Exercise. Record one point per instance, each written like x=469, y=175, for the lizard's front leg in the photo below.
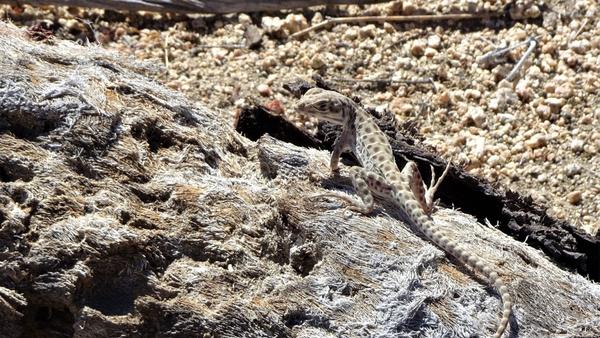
x=343, y=143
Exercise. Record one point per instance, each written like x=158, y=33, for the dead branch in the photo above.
x=395, y=18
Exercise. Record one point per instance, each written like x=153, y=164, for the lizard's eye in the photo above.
x=322, y=105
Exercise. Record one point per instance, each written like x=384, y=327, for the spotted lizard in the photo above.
x=380, y=176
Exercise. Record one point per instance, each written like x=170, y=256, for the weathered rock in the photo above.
x=126, y=210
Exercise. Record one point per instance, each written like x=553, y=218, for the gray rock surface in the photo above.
x=126, y=210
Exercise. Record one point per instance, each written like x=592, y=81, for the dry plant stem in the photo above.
x=489, y=57
x=513, y=73
x=388, y=81
x=396, y=18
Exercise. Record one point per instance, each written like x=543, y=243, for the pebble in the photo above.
x=244, y=19
x=430, y=52
x=264, y=90
x=543, y=111
x=350, y=34
x=574, y=197
x=564, y=91
x=573, y=169
x=506, y=118
x=580, y=46
x=368, y=31
x=536, y=141
x=294, y=23
x=317, y=18
x=577, y=145
x=417, y=48
x=317, y=61
x=434, y=41
x=555, y=103
x=477, y=116
x=272, y=25
x=523, y=90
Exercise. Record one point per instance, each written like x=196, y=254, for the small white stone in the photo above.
x=244, y=19
x=434, y=41
x=472, y=94
x=477, y=115
x=317, y=18
x=264, y=89
x=536, y=141
x=555, y=103
x=580, y=46
x=506, y=118
x=430, y=52
x=494, y=160
x=376, y=58
x=573, y=169
x=271, y=24
x=523, y=90
x=577, y=145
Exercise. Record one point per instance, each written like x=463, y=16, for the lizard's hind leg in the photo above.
x=425, y=196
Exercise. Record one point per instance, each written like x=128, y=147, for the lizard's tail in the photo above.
x=451, y=247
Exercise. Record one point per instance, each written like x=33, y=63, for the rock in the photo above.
x=417, y=48
x=543, y=111
x=317, y=61
x=577, y=145
x=574, y=197
x=538, y=140
x=564, y=91
x=580, y=46
x=264, y=89
x=430, y=52
x=389, y=28
x=506, y=118
x=350, y=34
x=472, y=94
x=555, y=104
x=477, y=116
x=434, y=41
x=244, y=19
x=573, y=169
x=368, y=31
x=523, y=90
x=294, y=23
x=317, y=18
x=272, y=25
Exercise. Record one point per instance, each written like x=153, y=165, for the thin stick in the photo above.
x=395, y=18
x=388, y=81
x=585, y=21
x=513, y=73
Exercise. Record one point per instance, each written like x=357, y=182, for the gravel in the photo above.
x=538, y=135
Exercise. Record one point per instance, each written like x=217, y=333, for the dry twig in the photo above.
x=395, y=18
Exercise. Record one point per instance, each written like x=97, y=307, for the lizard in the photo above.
x=379, y=176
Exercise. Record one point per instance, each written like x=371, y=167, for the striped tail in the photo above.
x=438, y=237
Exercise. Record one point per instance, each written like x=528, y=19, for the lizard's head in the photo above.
x=325, y=105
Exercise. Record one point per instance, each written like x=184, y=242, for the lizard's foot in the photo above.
x=433, y=186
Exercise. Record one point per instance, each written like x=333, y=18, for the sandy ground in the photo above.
x=538, y=134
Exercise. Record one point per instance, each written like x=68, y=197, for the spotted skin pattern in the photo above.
x=380, y=176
